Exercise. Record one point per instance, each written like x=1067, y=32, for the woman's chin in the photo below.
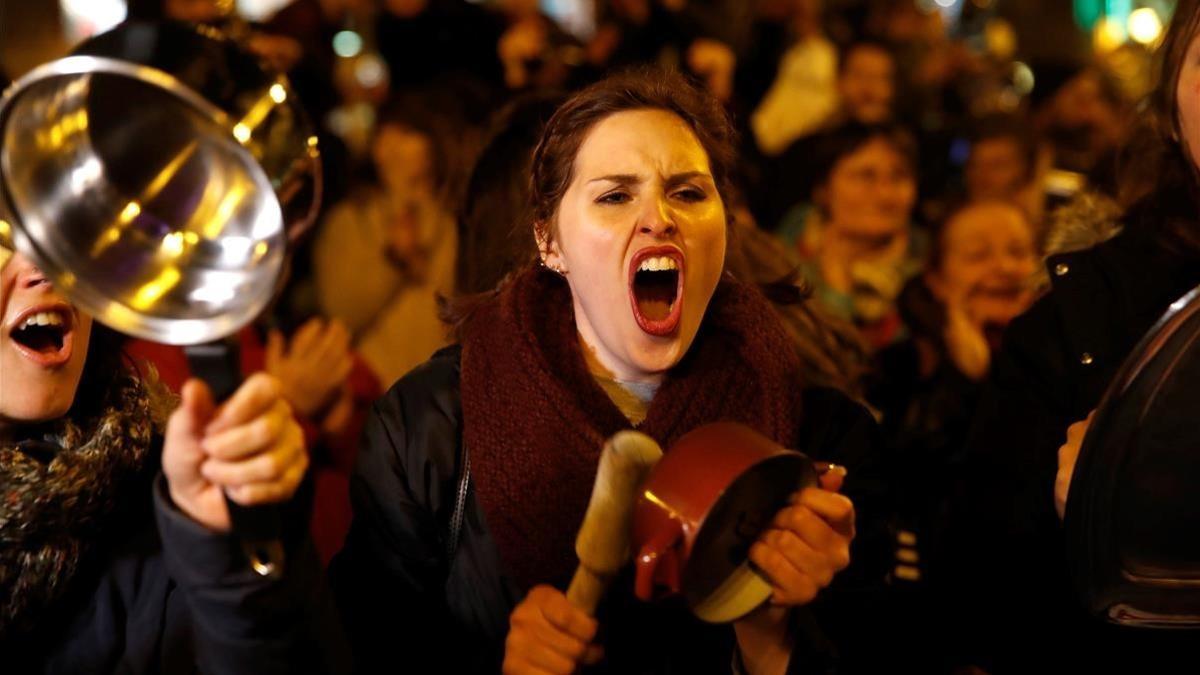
x=45, y=399
x=656, y=354
x=34, y=411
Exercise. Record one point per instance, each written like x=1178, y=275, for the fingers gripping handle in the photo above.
x=259, y=528
x=603, y=542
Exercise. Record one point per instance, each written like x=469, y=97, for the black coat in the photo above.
x=1020, y=613
x=413, y=607
x=164, y=594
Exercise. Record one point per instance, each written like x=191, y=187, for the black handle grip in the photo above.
x=259, y=528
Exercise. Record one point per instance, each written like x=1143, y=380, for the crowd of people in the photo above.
x=857, y=206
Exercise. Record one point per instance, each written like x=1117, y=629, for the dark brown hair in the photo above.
x=494, y=237
x=1158, y=177
x=645, y=88
x=836, y=144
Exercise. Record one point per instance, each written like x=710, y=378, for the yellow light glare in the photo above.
x=242, y=133
x=172, y=244
x=260, y=250
x=1109, y=35
x=152, y=290
x=278, y=93
x=132, y=210
x=1144, y=26
x=191, y=238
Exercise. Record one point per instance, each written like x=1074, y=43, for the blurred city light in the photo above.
x=1145, y=26
x=257, y=10
x=347, y=44
x=370, y=71
x=1109, y=34
x=1023, y=80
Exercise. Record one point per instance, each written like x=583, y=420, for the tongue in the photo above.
x=655, y=294
x=653, y=308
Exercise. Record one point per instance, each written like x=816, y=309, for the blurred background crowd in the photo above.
x=912, y=162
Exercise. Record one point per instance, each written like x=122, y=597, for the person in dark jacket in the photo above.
x=1058, y=359
x=980, y=276
x=115, y=557
x=477, y=466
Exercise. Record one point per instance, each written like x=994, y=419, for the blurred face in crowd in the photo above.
x=870, y=193
x=988, y=257
x=996, y=169
x=404, y=159
x=1081, y=104
x=867, y=84
x=194, y=11
x=43, y=346
x=640, y=234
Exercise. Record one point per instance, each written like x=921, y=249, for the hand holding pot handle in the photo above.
x=808, y=542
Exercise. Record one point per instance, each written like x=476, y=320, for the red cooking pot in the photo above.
x=710, y=497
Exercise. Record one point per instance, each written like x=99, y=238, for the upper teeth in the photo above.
x=42, y=319
x=659, y=264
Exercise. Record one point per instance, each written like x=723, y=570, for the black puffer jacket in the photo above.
x=163, y=594
x=1019, y=613
x=411, y=606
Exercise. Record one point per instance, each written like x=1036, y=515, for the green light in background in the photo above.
x=1118, y=10
x=1088, y=12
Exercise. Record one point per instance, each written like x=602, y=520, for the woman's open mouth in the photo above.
x=43, y=334
x=656, y=289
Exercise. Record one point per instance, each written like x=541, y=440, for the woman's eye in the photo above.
x=613, y=198
x=691, y=195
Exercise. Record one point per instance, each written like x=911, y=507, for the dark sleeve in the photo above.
x=390, y=577
x=838, y=430
x=1005, y=545
x=242, y=622
x=841, y=431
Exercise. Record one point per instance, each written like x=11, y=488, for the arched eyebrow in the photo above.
x=625, y=179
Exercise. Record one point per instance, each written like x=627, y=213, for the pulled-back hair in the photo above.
x=645, y=88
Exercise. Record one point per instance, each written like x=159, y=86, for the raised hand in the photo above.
x=250, y=448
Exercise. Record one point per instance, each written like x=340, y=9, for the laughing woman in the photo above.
x=629, y=320
x=112, y=559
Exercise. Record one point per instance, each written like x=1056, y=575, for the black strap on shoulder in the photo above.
x=460, y=503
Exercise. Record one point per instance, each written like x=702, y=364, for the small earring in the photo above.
x=559, y=270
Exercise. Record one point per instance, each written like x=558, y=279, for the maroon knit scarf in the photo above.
x=535, y=419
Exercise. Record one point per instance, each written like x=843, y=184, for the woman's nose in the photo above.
x=28, y=274
x=657, y=220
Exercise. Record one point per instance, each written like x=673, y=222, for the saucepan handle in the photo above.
x=259, y=528
x=658, y=561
